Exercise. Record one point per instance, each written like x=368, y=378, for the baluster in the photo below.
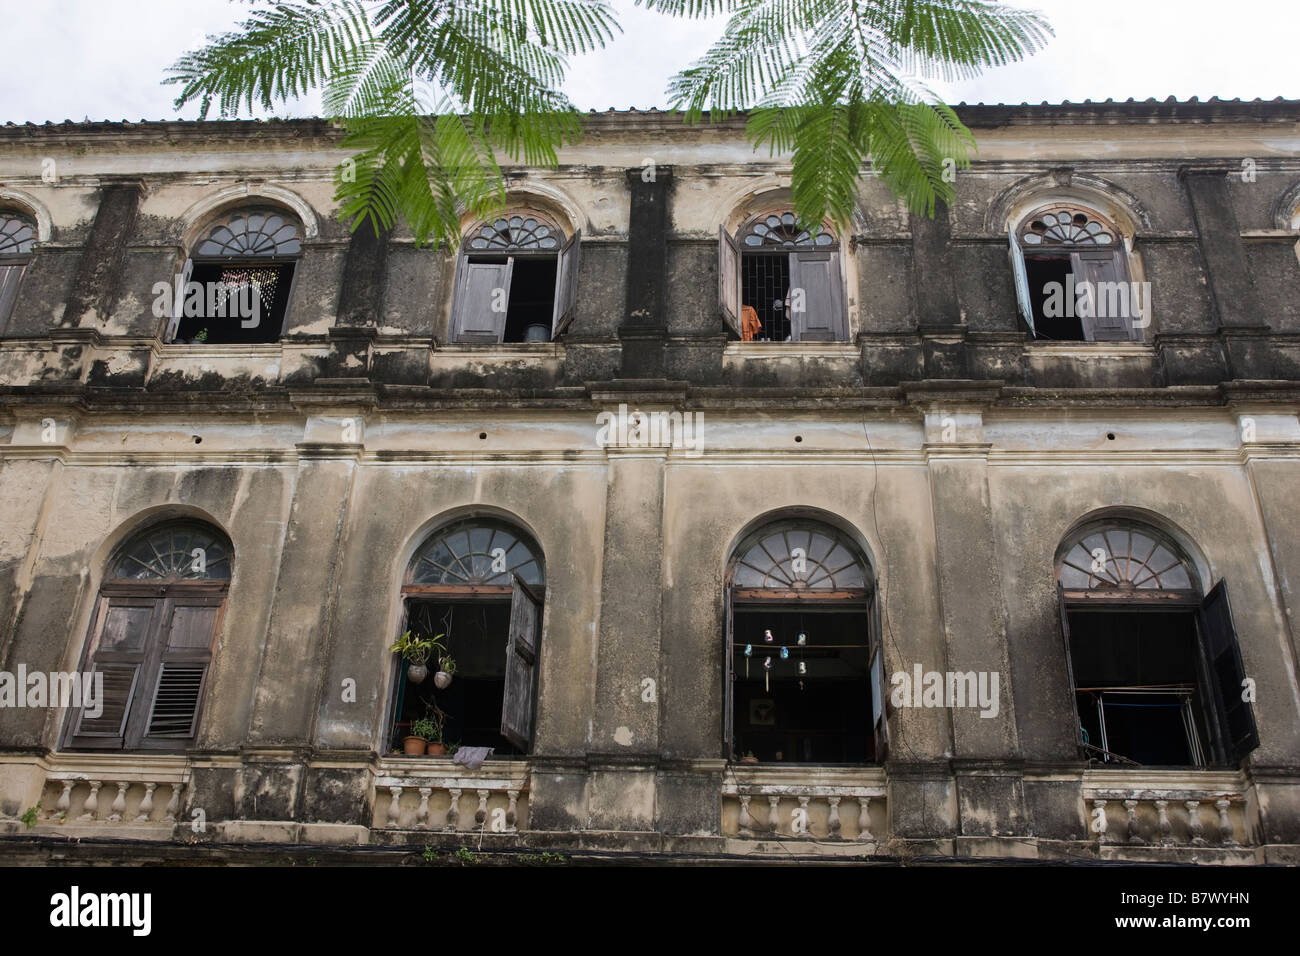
x=1162, y=822
x=91, y=806
x=864, y=818
x=1194, y=828
x=174, y=804
x=745, y=821
x=512, y=812
x=1099, y=821
x=833, y=820
x=773, y=811
x=119, y=802
x=480, y=814
x=394, y=806
x=422, y=814
x=1131, y=824
x=1225, y=825
x=64, y=803
x=146, y=805
x=453, y=810
x=805, y=827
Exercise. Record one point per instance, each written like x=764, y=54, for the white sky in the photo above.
x=104, y=59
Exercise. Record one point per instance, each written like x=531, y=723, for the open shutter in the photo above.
x=815, y=285
x=1077, y=724
x=566, y=285
x=728, y=677
x=191, y=625
x=879, y=713
x=521, y=667
x=1021, y=276
x=729, y=281
x=118, y=647
x=1103, y=305
x=479, y=287
x=1227, y=675
x=10, y=276
x=178, y=302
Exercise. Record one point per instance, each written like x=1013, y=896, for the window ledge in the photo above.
x=1091, y=349
x=783, y=349
x=799, y=779
x=503, y=349
x=1156, y=780
x=224, y=350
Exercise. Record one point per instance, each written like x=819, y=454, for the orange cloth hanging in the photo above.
x=749, y=324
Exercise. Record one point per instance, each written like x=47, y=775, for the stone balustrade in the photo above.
x=434, y=794
x=806, y=803
x=1145, y=809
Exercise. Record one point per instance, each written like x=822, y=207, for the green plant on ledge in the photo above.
x=29, y=817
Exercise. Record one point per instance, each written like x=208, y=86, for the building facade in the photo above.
x=965, y=536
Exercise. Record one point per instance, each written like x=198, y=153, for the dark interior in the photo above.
x=764, y=284
x=1041, y=270
x=823, y=716
x=532, y=299
x=275, y=280
x=1137, y=671
x=475, y=634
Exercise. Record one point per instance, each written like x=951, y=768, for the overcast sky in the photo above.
x=104, y=59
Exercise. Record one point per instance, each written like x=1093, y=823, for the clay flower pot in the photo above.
x=413, y=746
x=441, y=680
x=749, y=760
x=437, y=748
x=416, y=673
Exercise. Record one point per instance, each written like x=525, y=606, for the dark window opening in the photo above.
x=475, y=634
x=532, y=300
x=823, y=715
x=765, y=283
x=228, y=311
x=1041, y=272
x=1137, y=681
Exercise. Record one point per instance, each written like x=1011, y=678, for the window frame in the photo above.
x=11, y=282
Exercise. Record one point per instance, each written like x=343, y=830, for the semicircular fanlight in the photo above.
x=1121, y=557
x=798, y=556
x=519, y=232
x=476, y=551
x=782, y=231
x=176, y=551
x=252, y=234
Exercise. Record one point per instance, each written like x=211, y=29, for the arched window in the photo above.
x=1156, y=670
x=1072, y=277
x=516, y=282
x=17, y=236
x=238, y=279
x=479, y=583
x=779, y=282
x=150, y=644
x=804, y=671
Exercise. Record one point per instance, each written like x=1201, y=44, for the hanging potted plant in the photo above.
x=416, y=651
x=446, y=667
x=422, y=731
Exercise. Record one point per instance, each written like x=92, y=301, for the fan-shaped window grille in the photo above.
x=798, y=556
x=517, y=233
x=252, y=233
x=178, y=551
x=1125, y=558
x=17, y=234
x=781, y=231
x=473, y=552
x=1067, y=226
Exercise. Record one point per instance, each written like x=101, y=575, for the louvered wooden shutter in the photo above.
x=479, y=287
x=729, y=281
x=817, y=275
x=1111, y=315
x=518, y=705
x=119, y=647
x=1227, y=675
x=186, y=651
x=1076, y=728
x=728, y=676
x=879, y=713
x=1020, y=276
x=566, y=285
x=178, y=303
x=10, y=277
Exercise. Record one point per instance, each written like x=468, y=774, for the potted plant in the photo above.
x=436, y=718
x=422, y=731
x=416, y=651
x=446, y=667
x=749, y=757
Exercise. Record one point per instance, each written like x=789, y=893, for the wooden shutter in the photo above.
x=1103, y=321
x=728, y=676
x=1021, y=276
x=472, y=318
x=1076, y=726
x=521, y=667
x=879, y=713
x=817, y=273
x=729, y=281
x=185, y=653
x=10, y=276
x=119, y=645
x=178, y=303
x=1227, y=675
x=566, y=285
